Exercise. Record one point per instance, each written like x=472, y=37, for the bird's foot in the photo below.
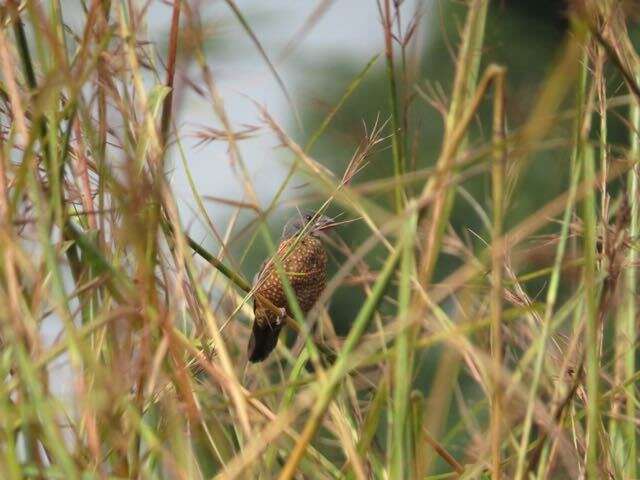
x=282, y=314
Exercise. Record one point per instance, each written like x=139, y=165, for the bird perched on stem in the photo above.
x=304, y=260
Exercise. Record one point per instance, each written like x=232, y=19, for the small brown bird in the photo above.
x=306, y=267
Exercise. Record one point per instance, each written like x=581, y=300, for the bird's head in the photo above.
x=298, y=222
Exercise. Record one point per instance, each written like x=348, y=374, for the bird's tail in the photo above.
x=264, y=339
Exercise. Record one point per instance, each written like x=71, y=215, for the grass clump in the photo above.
x=491, y=341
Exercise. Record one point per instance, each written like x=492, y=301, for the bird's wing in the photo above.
x=268, y=264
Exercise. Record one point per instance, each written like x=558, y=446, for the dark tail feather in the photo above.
x=263, y=340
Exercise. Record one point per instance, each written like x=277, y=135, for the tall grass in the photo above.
x=512, y=355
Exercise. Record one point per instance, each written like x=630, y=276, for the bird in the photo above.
x=303, y=258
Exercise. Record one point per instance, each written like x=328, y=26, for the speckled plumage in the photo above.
x=306, y=268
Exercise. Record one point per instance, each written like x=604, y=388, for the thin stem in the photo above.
x=630, y=311
x=403, y=362
x=497, y=269
x=591, y=295
x=397, y=142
